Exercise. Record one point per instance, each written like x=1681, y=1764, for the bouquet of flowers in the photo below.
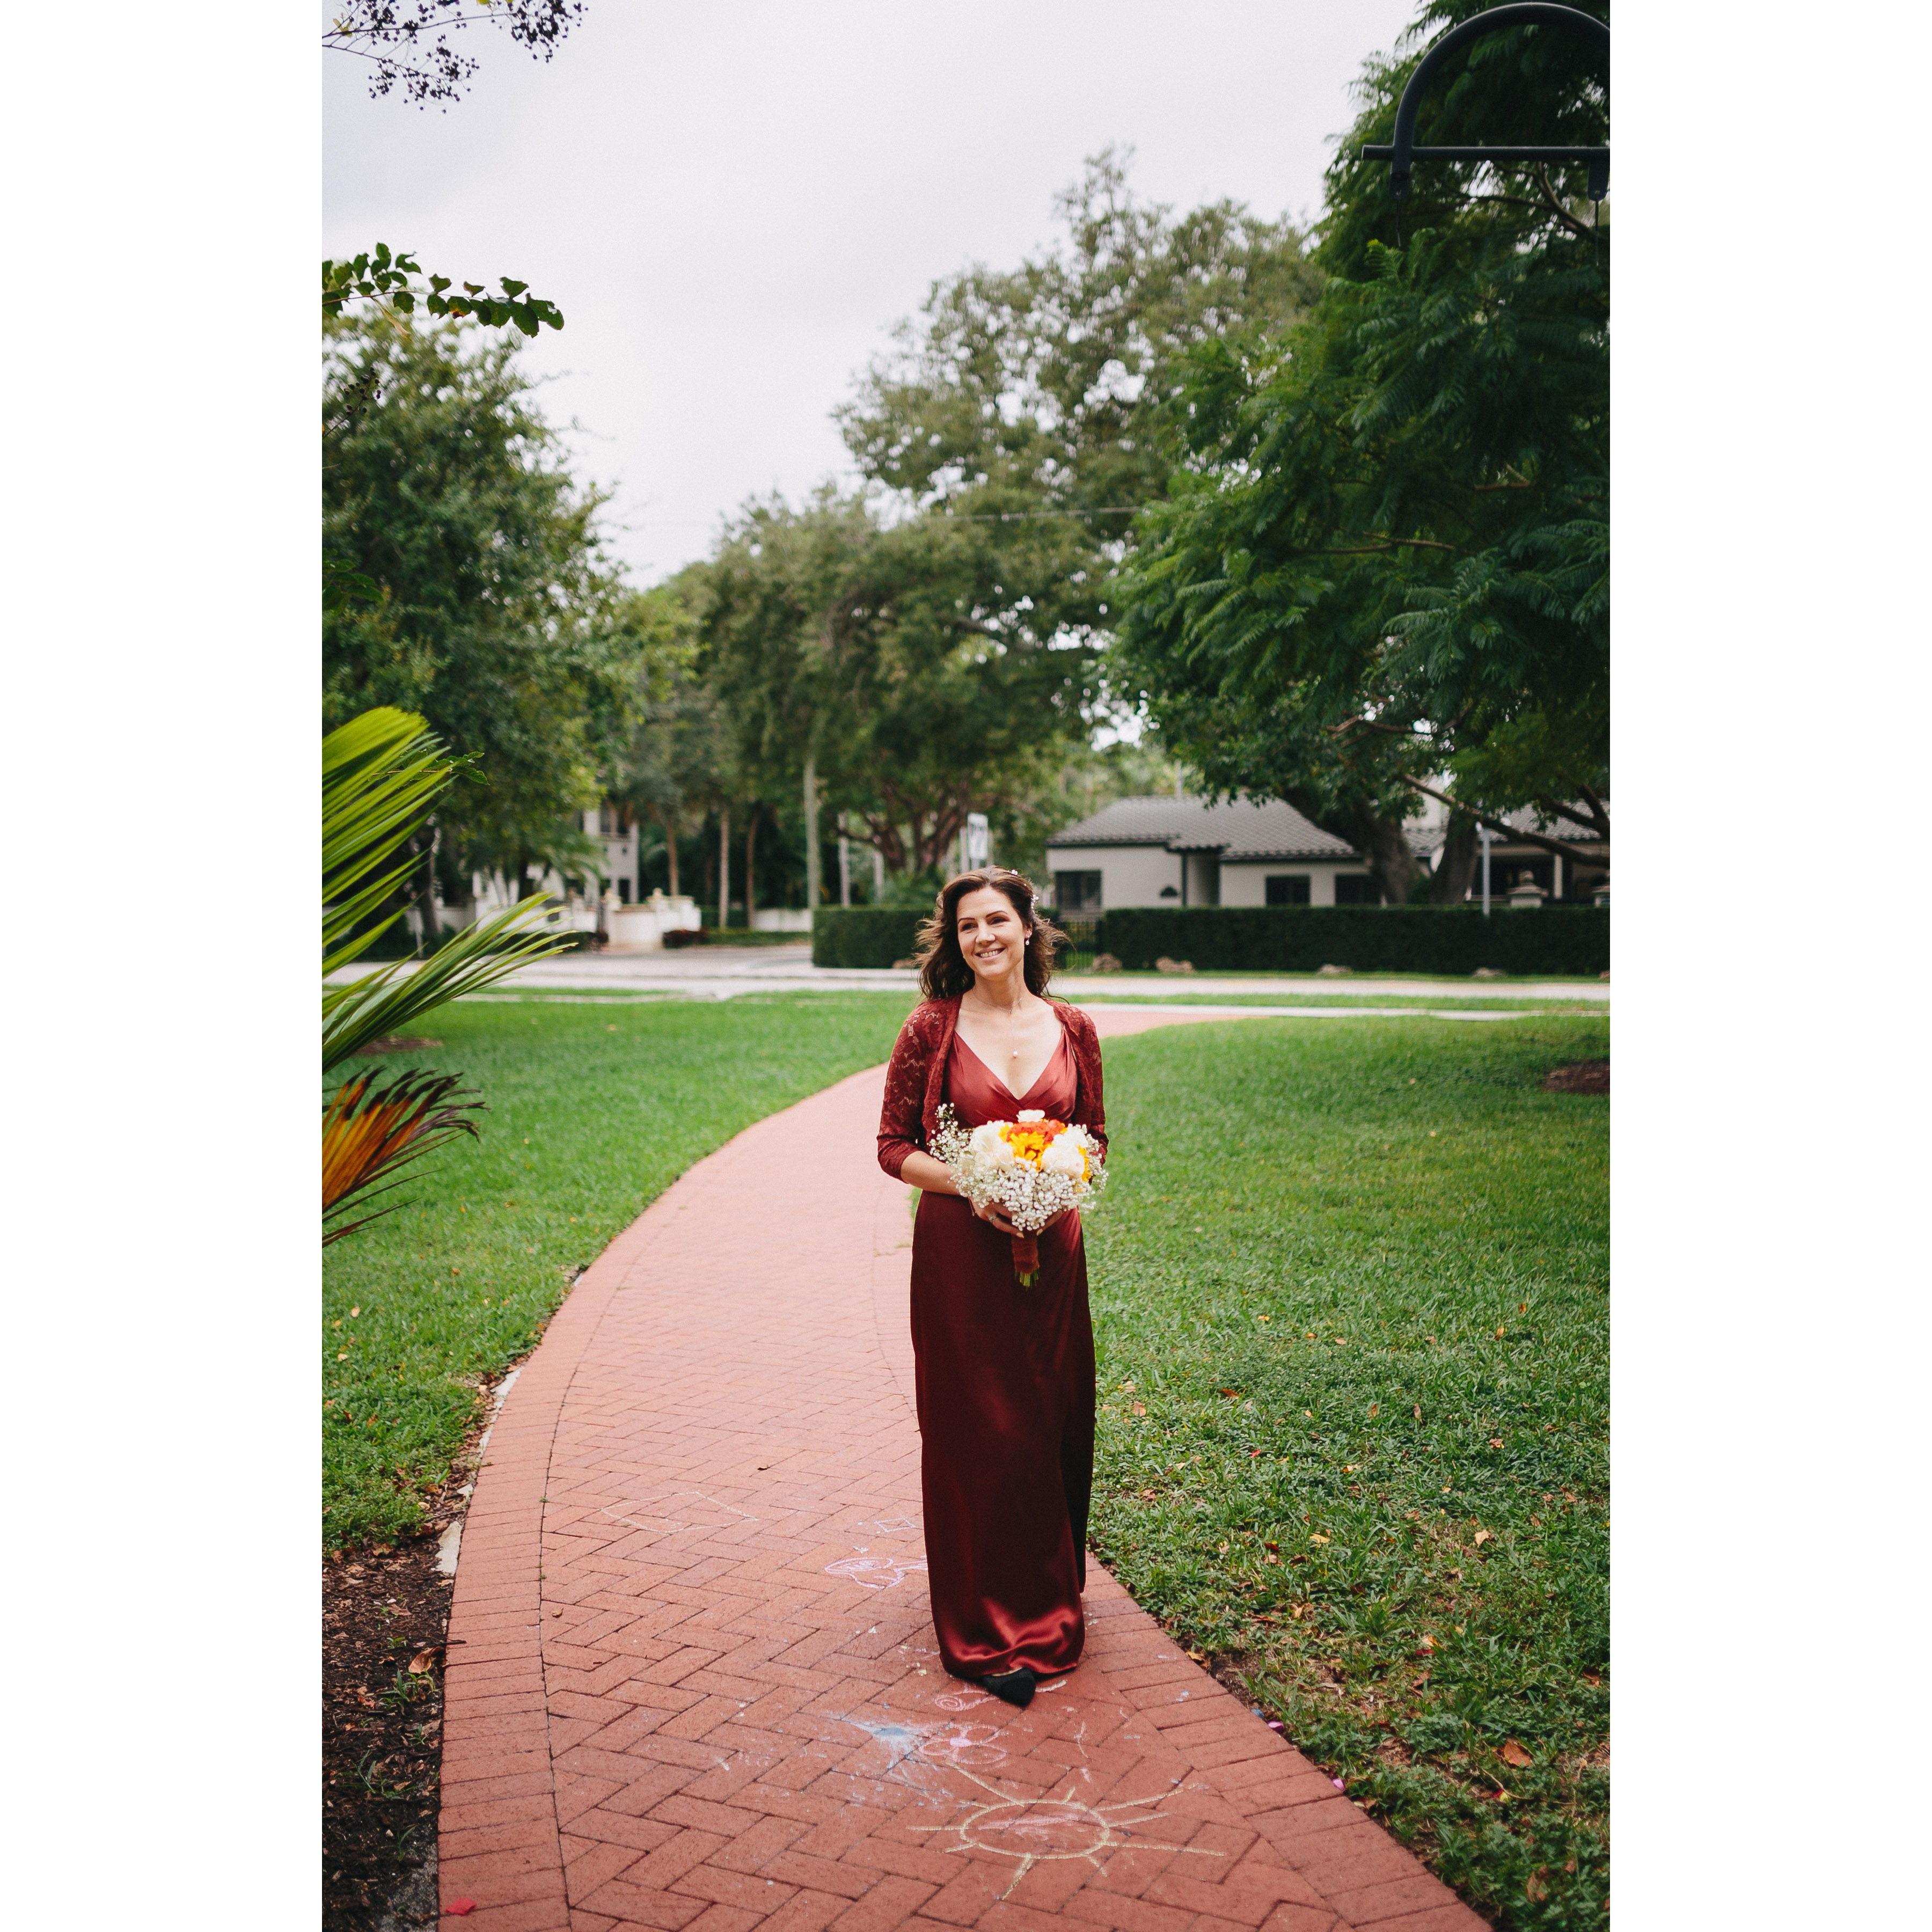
x=1032, y=1168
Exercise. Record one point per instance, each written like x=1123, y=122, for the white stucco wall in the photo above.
x=1130, y=875
x=1246, y=885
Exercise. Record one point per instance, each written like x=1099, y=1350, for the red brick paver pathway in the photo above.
x=691, y=1681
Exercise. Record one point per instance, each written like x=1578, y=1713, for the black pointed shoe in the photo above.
x=1013, y=1687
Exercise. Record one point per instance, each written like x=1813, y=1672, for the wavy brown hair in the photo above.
x=943, y=974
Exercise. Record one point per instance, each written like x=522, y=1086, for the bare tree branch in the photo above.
x=1556, y=208
x=1516, y=835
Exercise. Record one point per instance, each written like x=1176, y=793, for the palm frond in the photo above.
x=382, y=776
x=357, y=1012
x=373, y=1126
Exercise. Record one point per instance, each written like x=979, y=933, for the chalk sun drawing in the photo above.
x=1032, y=1830
x=1027, y=1829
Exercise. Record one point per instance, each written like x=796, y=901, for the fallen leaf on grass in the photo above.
x=1318, y=1538
x=1140, y=1408
x=1418, y=1411
x=1495, y=1441
x=1536, y=1889
x=1483, y=1536
x=1374, y=1409
x=1233, y=1392
x=1516, y=1755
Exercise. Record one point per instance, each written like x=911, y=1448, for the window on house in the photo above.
x=1357, y=889
x=1287, y=888
x=1076, y=892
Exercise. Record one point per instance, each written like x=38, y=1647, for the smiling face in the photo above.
x=992, y=936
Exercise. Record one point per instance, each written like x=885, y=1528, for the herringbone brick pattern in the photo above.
x=691, y=1680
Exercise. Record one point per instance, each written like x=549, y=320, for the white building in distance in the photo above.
x=1168, y=851
x=1165, y=850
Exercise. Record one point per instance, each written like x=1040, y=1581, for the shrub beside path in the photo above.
x=691, y=1678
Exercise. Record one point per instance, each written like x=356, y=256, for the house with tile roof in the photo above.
x=1183, y=850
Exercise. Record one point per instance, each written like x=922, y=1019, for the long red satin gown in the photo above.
x=1005, y=1387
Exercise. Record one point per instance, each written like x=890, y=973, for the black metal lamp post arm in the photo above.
x=1400, y=152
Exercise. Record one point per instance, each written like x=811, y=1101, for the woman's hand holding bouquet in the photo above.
x=1031, y=1169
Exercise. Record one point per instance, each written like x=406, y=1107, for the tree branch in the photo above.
x=1556, y=208
x=1515, y=834
x=1385, y=545
x=1596, y=820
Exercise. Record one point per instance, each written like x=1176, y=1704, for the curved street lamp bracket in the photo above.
x=1400, y=152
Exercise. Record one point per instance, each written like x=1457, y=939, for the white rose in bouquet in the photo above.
x=1033, y=1168
x=1065, y=1155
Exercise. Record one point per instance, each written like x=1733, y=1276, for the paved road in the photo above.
x=691, y=1681
x=723, y=972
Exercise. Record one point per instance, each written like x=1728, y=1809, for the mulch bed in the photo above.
x=1580, y=1076
x=398, y=1043
x=381, y=1735
x=384, y=1607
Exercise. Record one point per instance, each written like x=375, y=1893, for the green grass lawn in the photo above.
x=1327, y=982
x=1323, y=993
x=594, y=1109
x=1350, y=1290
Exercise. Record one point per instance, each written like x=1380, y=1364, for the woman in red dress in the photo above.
x=1005, y=1374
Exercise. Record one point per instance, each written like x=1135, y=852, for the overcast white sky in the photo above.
x=732, y=205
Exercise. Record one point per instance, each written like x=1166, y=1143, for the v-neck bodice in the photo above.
x=978, y=1094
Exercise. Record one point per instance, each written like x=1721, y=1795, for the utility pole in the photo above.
x=725, y=867
x=1482, y=831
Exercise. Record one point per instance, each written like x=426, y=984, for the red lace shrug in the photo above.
x=916, y=1079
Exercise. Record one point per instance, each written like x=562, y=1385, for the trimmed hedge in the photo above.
x=863, y=935
x=1369, y=939
x=1281, y=939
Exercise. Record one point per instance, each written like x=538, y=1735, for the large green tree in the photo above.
x=679, y=764
x=1041, y=401
x=487, y=603
x=889, y=671
x=1385, y=557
